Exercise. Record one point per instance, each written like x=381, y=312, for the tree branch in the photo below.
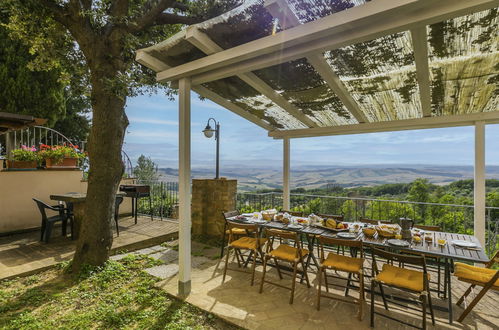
x=60, y=13
x=180, y=6
x=154, y=8
x=119, y=8
x=86, y=4
x=166, y=18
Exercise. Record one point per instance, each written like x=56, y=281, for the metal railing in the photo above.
x=450, y=217
x=38, y=135
x=164, y=199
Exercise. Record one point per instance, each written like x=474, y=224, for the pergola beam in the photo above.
x=391, y=126
x=279, y=9
x=204, y=43
x=420, y=46
x=153, y=63
x=362, y=23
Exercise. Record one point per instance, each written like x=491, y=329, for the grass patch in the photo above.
x=118, y=295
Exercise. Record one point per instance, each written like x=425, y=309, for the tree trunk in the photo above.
x=109, y=123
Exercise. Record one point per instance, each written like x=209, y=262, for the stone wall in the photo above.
x=211, y=197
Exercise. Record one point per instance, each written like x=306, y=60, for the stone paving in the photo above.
x=24, y=254
x=237, y=302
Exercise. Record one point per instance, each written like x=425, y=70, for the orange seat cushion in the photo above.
x=237, y=231
x=286, y=252
x=343, y=263
x=477, y=274
x=402, y=278
x=247, y=243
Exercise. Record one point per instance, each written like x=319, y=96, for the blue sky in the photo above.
x=153, y=131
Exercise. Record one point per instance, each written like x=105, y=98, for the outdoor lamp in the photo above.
x=208, y=132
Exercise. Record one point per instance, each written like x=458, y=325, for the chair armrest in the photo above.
x=57, y=207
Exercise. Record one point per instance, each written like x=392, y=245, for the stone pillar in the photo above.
x=211, y=197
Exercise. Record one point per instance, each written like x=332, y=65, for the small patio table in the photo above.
x=448, y=253
x=78, y=201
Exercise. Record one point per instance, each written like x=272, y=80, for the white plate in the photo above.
x=465, y=244
x=398, y=242
x=291, y=226
x=346, y=235
x=258, y=221
x=249, y=215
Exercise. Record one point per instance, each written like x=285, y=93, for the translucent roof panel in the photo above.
x=238, y=92
x=264, y=107
x=464, y=63
x=381, y=76
x=299, y=83
x=310, y=10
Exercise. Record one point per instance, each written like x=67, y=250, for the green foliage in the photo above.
x=25, y=154
x=145, y=170
x=419, y=191
x=40, y=89
x=58, y=153
x=38, y=93
x=116, y=295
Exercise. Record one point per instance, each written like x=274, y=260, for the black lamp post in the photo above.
x=208, y=132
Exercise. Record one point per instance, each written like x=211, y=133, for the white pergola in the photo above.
x=239, y=61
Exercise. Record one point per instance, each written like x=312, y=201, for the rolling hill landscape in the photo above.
x=310, y=177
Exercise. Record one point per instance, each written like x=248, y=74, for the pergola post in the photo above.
x=479, y=188
x=285, y=165
x=184, y=187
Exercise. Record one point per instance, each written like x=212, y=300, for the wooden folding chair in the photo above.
x=374, y=222
x=487, y=278
x=428, y=228
x=338, y=262
x=408, y=280
x=235, y=231
x=337, y=217
x=293, y=213
x=293, y=254
x=245, y=243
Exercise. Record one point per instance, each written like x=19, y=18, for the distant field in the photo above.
x=251, y=179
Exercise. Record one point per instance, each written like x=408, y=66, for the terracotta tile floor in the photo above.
x=24, y=254
x=239, y=303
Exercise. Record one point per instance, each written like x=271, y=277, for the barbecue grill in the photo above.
x=136, y=191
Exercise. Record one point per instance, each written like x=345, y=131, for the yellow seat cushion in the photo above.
x=343, y=263
x=237, y=231
x=402, y=278
x=247, y=243
x=286, y=252
x=477, y=274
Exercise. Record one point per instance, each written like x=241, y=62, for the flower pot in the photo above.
x=63, y=163
x=22, y=165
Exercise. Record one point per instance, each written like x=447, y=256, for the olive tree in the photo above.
x=99, y=37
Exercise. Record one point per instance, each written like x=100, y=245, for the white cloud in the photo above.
x=153, y=121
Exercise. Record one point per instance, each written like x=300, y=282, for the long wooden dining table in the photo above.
x=446, y=254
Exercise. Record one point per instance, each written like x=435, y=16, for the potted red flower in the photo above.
x=61, y=156
x=24, y=158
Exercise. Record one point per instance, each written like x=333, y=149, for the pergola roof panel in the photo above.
x=314, y=64
x=250, y=20
x=464, y=59
x=386, y=97
x=310, y=10
x=243, y=95
x=380, y=75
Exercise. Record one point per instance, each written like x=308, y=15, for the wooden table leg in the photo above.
x=449, y=290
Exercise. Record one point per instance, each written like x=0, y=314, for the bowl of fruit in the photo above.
x=334, y=225
x=369, y=231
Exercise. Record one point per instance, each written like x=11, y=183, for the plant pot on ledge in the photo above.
x=22, y=164
x=61, y=163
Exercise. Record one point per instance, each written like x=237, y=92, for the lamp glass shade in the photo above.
x=208, y=131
